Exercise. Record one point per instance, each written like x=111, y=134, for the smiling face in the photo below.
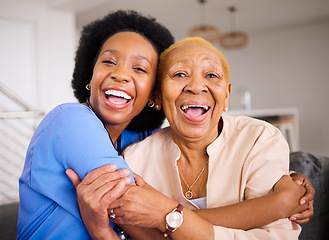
x=123, y=78
x=194, y=91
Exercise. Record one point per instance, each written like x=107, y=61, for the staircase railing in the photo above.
x=16, y=130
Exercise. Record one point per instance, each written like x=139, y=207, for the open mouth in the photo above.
x=117, y=97
x=195, y=110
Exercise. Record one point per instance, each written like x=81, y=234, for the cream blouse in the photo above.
x=245, y=161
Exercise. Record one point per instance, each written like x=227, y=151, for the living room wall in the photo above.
x=55, y=41
x=287, y=67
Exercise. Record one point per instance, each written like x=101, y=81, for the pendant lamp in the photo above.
x=233, y=39
x=206, y=31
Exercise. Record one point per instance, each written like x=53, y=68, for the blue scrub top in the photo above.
x=70, y=136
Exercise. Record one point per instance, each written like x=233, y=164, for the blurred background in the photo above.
x=278, y=51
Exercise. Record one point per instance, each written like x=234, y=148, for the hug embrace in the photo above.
x=226, y=175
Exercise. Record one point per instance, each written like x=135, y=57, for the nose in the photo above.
x=196, y=85
x=120, y=74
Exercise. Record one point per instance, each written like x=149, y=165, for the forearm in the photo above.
x=248, y=214
x=102, y=233
x=187, y=230
x=139, y=233
x=193, y=227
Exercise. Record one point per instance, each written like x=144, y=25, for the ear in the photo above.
x=157, y=103
x=228, y=92
x=157, y=97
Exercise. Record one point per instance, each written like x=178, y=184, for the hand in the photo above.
x=95, y=193
x=290, y=193
x=142, y=206
x=307, y=199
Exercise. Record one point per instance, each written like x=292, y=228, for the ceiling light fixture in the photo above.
x=233, y=39
x=206, y=31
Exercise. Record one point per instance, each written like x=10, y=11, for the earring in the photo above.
x=157, y=106
x=226, y=109
x=88, y=86
x=151, y=104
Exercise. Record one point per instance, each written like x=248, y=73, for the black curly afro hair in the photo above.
x=91, y=41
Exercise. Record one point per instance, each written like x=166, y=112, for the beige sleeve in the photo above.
x=268, y=161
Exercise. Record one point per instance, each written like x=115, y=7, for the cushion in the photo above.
x=316, y=169
x=8, y=220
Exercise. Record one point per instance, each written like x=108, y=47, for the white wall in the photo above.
x=281, y=68
x=55, y=38
x=288, y=68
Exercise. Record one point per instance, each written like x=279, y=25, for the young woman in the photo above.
x=113, y=79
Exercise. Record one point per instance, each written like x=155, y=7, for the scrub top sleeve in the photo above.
x=84, y=144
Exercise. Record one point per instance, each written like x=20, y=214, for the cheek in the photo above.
x=168, y=92
x=98, y=74
x=145, y=87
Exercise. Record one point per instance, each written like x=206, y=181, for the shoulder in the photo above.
x=156, y=140
x=67, y=119
x=69, y=113
x=73, y=109
x=249, y=125
x=153, y=144
x=150, y=157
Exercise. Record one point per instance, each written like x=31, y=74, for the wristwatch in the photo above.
x=174, y=220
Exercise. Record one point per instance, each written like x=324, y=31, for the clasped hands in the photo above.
x=107, y=192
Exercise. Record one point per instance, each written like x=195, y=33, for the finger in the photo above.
x=116, y=192
x=101, y=197
x=309, y=195
x=296, y=175
x=302, y=221
x=298, y=180
x=303, y=215
x=106, y=178
x=123, y=199
x=96, y=173
x=299, y=218
x=308, y=213
x=138, y=179
x=73, y=176
x=108, y=192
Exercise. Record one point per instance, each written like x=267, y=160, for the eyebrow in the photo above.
x=137, y=56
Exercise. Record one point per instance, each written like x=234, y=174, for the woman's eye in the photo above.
x=212, y=75
x=139, y=69
x=179, y=75
x=109, y=62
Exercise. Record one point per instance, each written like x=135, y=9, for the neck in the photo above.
x=114, y=131
x=195, y=147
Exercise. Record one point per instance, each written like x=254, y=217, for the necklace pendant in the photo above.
x=189, y=194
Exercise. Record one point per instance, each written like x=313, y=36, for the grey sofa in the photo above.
x=8, y=221
x=314, y=167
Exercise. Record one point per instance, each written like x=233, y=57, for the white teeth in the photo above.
x=118, y=94
x=184, y=107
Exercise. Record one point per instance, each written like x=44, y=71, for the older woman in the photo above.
x=203, y=160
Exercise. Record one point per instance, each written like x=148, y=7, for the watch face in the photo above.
x=174, y=219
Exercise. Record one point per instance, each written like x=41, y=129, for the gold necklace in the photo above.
x=189, y=193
